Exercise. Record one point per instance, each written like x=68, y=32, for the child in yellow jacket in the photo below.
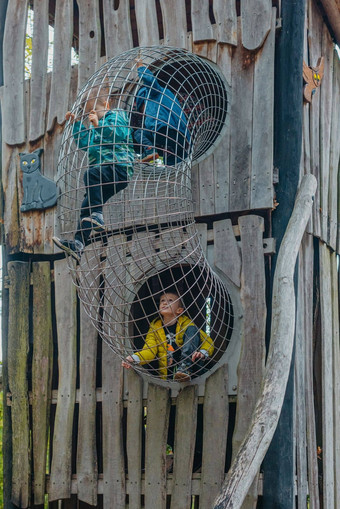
x=173, y=334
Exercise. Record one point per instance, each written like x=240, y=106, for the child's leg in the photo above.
x=191, y=343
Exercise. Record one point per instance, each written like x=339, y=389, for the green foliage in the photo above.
x=28, y=56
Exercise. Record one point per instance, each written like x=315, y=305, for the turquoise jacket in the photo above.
x=110, y=142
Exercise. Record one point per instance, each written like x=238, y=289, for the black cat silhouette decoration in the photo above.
x=39, y=192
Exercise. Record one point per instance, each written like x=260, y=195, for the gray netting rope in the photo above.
x=126, y=212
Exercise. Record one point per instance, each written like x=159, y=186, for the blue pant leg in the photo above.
x=191, y=343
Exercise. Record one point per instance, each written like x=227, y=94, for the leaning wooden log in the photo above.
x=268, y=407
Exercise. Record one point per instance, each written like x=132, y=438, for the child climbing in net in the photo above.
x=173, y=338
x=164, y=131
x=108, y=142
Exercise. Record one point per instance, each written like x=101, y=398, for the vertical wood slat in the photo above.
x=89, y=39
x=251, y=363
x=117, y=27
x=18, y=330
x=207, y=186
x=134, y=438
x=39, y=70
x=308, y=269
x=227, y=256
x=241, y=132
x=112, y=410
x=13, y=103
x=256, y=16
x=325, y=127
x=41, y=373
x=184, y=447
x=157, y=421
x=202, y=29
x=11, y=198
x=327, y=379
x=147, y=24
x=174, y=23
x=261, y=194
x=87, y=463
x=61, y=74
x=66, y=317
x=226, y=20
x=336, y=377
x=334, y=157
x=215, y=428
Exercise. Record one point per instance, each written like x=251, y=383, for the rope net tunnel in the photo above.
x=126, y=214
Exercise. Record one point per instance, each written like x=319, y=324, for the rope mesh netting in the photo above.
x=124, y=173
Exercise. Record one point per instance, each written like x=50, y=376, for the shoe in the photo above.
x=94, y=222
x=150, y=158
x=73, y=248
x=182, y=375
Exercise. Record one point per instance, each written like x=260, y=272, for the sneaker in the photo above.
x=150, y=158
x=182, y=375
x=73, y=248
x=94, y=222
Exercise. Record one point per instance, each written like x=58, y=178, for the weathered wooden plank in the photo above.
x=18, y=331
x=325, y=127
x=174, y=23
x=158, y=408
x=61, y=74
x=184, y=447
x=147, y=25
x=331, y=8
x=308, y=271
x=13, y=103
x=241, y=133
x=256, y=19
x=202, y=29
x=113, y=453
x=66, y=317
x=87, y=463
x=134, y=438
x=215, y=428
x=262, y=190
x=207, y=186
x=89, y=39
x=334, y=157
x=226, y=251
x=195, y=189
x=10, y=161
x=300, y=389
x=39, y=70
x=41, y=373
x=251, y=364
x=336, y=377
x=226, y=20
x=117, y=27
x=327, y=378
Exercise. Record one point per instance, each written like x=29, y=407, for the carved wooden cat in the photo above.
x=39, y=192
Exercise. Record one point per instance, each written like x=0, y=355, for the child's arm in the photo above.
x=206, y=348
x=148, y=78
x=146, y=355
x=115, y=128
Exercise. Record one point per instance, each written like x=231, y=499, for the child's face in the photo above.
x=170, y=306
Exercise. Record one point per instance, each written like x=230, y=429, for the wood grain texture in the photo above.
x=61, y=73
x=147, y=24
x=331, y=8
x=262, y=190
x=227, y=256
x=39, y=71
x=256, y=16
x=10, y=162
x=134, y=438
x=66, y=317
x=158, y=408
x=215, y=428
x=336, y=377
x=327, y=376
x=202, y=29
x=18, y=331
x=184, y=447
x=89, y=39
x=174, y=23
x=13, y=103
x=334, y=157
x=226, y=21
x=41, y=373
x=117, y=27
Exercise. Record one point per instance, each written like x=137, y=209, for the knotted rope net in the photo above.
x=124, y=173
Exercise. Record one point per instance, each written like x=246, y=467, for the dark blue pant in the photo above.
x=191, y=343
x=168, y=143
x=101, y=183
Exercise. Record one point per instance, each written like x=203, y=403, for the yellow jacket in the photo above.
x=156, y=344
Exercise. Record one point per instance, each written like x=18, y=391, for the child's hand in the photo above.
x=196, y=356
x=70, y=116
x=93, y=118
x=128, y=362
x=139, y=62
